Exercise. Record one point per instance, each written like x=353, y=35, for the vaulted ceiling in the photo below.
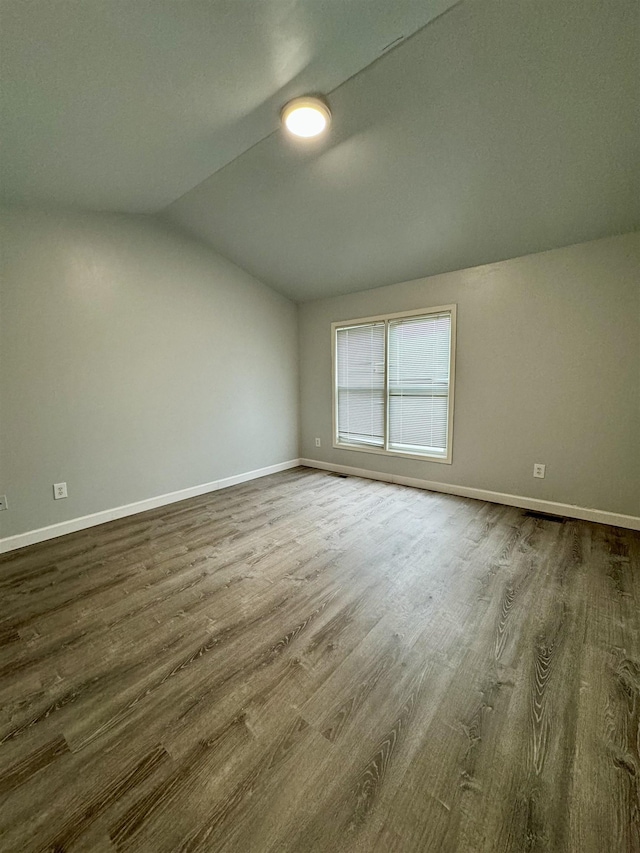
x=463, y=132
x=127, y=104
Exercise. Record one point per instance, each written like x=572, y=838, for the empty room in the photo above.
x=320, y=426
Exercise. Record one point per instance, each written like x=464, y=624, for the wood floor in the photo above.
x=312, y=663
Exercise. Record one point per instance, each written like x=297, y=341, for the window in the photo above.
x=393, y=384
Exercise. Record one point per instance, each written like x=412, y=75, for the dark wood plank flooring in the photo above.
x=311, y=663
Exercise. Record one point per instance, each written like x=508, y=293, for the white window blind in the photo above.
x=393, y=388
x=419, y=383
x=360, y=384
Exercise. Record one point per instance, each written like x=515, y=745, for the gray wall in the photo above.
x=548, y=370
x=134, y=362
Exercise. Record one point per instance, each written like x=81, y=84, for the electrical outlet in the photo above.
x=3, y=502
x=318, y=442
x=538, y=470
x=59, y=491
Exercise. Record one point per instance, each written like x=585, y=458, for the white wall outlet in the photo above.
x=3, y=502
x=59, y=491
x=318, y=442
x=538, y=470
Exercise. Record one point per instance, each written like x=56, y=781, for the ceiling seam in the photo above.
x=386, y=51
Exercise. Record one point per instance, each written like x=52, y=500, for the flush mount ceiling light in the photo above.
x=306, y=116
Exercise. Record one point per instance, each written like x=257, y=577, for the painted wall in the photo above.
x=134, y=362
x=548, y=370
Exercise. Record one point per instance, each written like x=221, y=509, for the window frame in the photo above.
x=385, y=318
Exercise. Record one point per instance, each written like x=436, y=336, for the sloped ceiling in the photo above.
x=126, y=104
x=502, y=128
x=498, y=129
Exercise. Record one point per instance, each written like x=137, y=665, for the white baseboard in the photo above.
x=10, y=543
x=21, y=540
x=570, y=510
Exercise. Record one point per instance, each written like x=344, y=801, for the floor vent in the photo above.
x=542, y=516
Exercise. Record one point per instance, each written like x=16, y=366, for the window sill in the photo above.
x=379, y=451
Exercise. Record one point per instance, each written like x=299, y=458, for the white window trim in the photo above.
x=452, y=376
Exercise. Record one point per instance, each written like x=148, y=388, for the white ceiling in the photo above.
x=127, y=104
x=501, y=128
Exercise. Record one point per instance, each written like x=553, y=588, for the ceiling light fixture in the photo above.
x=306, y=116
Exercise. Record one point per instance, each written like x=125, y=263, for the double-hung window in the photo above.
x=393, y=383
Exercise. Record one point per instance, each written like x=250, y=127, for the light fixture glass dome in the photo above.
x=306, y=117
